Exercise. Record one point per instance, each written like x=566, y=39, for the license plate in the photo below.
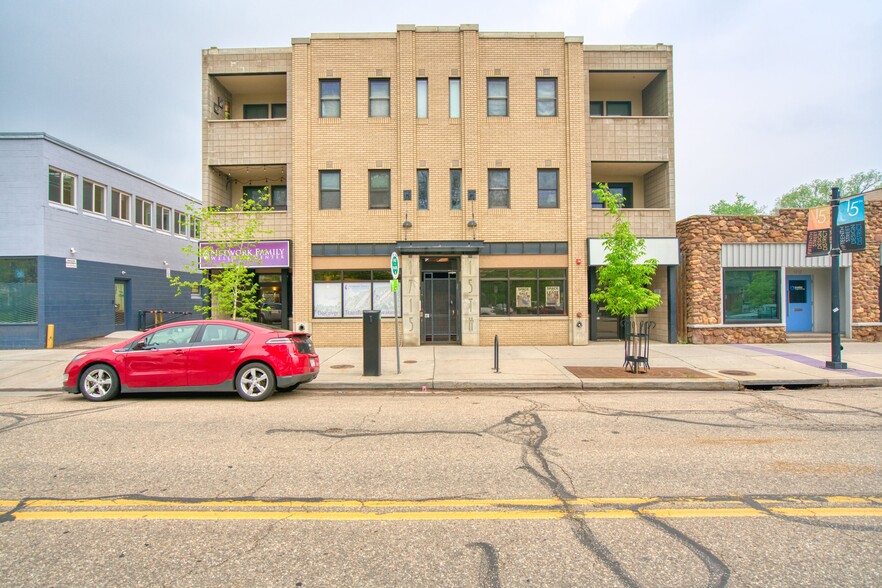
x=311, y=362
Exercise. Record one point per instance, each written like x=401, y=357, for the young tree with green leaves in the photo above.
x=229, y=290
x=817, y=192
x=622, y=282
x=739, y=207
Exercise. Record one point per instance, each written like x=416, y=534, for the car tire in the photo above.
x=99, y=382
x=255, y=381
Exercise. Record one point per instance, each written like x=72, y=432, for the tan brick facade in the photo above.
x=637, y=150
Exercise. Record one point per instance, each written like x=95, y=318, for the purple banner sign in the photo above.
x=260, y=254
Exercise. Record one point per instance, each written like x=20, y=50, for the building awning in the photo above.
x=664, y=249
x=440, y=247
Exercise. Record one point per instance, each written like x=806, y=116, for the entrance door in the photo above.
x=799, y=304
x=440, y=302
x=120, y=288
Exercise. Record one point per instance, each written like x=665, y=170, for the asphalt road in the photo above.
x=773, y=488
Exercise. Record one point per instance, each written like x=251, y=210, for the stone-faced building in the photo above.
x=471, y=154
x=746, y=279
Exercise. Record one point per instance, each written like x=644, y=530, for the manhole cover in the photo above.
x=342, y=366
x=737, y=373
x=409, y=361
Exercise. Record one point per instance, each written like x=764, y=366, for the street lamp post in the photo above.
x=835, y=362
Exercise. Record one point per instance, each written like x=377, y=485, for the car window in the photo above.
x=176, y=336
x=222, y=334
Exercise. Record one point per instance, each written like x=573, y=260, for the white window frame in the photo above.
x=143, y=205
x=125, y=212
x=95, y=185
x=163, y=218
x=182, y=224
x=73, y=192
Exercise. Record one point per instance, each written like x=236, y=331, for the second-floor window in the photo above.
x=329, y=189
x=422, y=98
x=546, y=96
x=380, y=188
x=422, y=189
x=180, y=223
x=143, y=212
x=163, y=218
x=548, y=188
x=497, y=96
x=94, y=196
x=120, y=205
x=379, y=97
x=329, y=98
x=498, y=188
x=456, y=189
x=625, y=191
x=62, y=188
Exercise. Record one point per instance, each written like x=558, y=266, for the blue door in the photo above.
x=799, y=304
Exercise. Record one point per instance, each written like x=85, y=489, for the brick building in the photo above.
x=746, y=279
x=472, y=154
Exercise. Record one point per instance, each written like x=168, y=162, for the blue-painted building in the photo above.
x=86, y=245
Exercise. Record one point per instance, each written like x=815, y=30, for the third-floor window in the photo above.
x=497, y=96
x=379, y=97
x=329, y=97
x=546, y=96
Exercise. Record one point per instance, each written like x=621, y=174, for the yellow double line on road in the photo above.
x=441, y=510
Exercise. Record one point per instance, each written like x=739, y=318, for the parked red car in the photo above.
x=253, y=359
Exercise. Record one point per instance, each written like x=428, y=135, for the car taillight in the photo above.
x=304, y=345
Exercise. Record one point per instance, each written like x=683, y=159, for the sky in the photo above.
x=768, y=95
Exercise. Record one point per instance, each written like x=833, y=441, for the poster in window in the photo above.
x=524, y=297
x=552, y=295
x=327, y=300
x=356, y=298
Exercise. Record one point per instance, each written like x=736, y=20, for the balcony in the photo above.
x=648, y=193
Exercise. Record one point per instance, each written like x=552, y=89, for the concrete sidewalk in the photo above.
x=452, y=367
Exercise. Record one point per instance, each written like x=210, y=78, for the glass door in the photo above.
x=119, y=302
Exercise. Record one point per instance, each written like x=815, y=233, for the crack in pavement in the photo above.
x=27, y=420
x=489, y=565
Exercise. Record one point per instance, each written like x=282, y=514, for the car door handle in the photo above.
x=179, y=352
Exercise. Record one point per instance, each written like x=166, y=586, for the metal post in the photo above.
x=835, y=362
x=496, y=353
x=397, y=348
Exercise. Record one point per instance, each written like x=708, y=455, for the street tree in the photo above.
x=739, y=207
x=817, y=192
x=229, y=289
x=622, y=281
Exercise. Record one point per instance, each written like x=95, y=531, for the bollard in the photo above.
x=496, y=353
x=50, y=336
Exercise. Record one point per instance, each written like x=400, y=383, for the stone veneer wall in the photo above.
x=700, y=287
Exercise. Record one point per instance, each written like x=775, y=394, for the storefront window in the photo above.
x=18, y=290
x=348, y=293
x=751, y=296
x=509, y=292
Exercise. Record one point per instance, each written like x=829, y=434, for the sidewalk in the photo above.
x=597, y=366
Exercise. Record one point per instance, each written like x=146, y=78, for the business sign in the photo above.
x=851, y=225
x=818, y=237
x=264, y=254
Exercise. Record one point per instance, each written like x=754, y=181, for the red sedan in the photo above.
x=253, y=359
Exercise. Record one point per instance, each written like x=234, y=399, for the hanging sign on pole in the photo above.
x=818, y=237
x=851, y=224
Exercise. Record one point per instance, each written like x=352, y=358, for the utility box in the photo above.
x=371, y=342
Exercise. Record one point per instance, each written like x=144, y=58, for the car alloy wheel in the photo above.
x=99, y=383
x=255, y=381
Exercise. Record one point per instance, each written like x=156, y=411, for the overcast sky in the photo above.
x=767, y=94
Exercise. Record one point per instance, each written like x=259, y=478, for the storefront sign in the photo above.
x=264, y=254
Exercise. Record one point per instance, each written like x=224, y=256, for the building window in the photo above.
x=596, y=108
x=498, y=188
x=453, y=92
x=62, y=188
x=18, y=290
x=380, y=188
x=94, y=196
x=347, y=293
x=255, y=111
x=329, y=190
x=546, y=96
x=163, y=218
x=180, y=223
x=751, y=296
x=625, y=190
x=548, y=188
x=622, y=108
x=143, y=212
x=497, y=96
x=422, y=189
x=422, y=97
x=379, y=97
x=194, y=227
x=120, y=205
x=508, y=292
x=329, y=98
x=456, y=189
x=279, y=197
x=279, y=111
